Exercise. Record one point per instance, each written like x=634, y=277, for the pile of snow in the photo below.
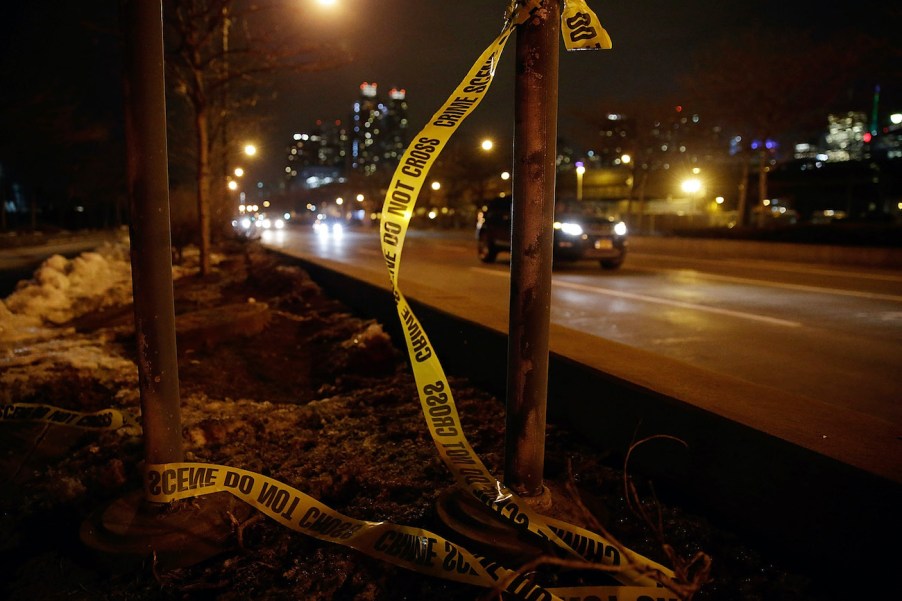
x=63, y=289
x=36, y=346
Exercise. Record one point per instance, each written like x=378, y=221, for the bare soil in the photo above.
x=321, y=400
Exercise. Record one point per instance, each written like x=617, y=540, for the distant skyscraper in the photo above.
x=373, y=141
x=365, y=131
x=395, y=126
x=846, y=136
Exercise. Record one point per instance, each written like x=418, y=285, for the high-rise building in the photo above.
x=366, y=119
x=394, y=126
x=845, y=140
x=318, y=157
x=373, y=141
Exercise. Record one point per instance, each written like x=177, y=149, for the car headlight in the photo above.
x=569, y=228
x=620, y=229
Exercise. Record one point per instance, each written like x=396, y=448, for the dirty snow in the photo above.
x=36, y=343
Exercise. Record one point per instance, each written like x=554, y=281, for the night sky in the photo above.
x=70, y=52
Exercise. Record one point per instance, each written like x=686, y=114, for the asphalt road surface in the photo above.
x=830, y=334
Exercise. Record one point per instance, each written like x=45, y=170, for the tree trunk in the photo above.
x=640, y=196
x=743, y=194
x=203, y=187
x=762, y=183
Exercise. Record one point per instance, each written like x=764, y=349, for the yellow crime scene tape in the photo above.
x=415, y=548
x=581, y=30
x=105, y=419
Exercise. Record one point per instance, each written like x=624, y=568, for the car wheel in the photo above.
x=611, y=263
x=486, y=250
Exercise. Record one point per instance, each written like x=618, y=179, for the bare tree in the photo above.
x=219, y=54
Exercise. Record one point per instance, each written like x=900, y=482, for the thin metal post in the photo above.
x=535, y=139
x=149, y=230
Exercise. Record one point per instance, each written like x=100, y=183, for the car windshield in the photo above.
x=582, y=211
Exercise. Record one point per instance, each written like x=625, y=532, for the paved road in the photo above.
x=831, y=334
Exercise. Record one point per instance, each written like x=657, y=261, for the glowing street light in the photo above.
x=487, y=144
x=233, y=185
x=250, y=150
x=239, y=172
x=626, y=159
x=360, y=198
x=693, y=185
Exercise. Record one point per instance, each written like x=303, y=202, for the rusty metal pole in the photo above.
x=535, y=144
x=151, y=255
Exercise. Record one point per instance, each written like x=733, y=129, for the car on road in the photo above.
x=328, y=225
x=580, y=232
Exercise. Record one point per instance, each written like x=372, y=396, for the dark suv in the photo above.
x=580, y=232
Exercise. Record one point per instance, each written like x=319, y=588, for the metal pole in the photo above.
x=535, y=138
x=151, y=258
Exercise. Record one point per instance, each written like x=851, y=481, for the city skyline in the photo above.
x=424, y=47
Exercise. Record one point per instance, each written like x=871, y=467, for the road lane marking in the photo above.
x=660, y=301
x=764, y=264
x=784, y=285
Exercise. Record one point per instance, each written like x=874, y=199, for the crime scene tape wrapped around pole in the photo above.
x=438, y=406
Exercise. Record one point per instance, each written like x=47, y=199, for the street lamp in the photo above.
x=487, y=144
x=250, y=150
x=692, y=185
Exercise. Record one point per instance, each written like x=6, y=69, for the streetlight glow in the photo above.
x=691, y=185
x=487, y=144
x=250, y=150
x=233, y=185
x=436, y=185
x=239, y=172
